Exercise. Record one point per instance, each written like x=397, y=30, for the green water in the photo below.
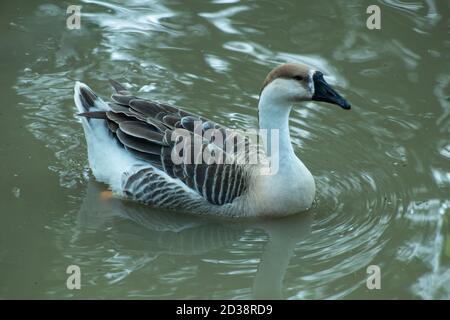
x=382, y=169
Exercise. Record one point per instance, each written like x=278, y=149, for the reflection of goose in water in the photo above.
x=170, y=233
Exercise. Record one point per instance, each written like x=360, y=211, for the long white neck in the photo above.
x=274, y=117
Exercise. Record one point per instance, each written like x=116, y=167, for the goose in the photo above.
x=131, y=144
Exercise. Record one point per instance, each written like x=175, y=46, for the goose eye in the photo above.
x=298, y=78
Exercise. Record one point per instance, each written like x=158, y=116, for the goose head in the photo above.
x=291, y=83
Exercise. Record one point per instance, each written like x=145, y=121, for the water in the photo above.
x=382, y=169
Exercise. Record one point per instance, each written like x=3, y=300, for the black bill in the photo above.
x=324, y=92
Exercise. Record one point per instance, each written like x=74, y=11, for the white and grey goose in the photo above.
x=130, y=142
